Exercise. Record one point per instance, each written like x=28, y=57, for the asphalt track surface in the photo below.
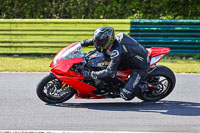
x=20, y=109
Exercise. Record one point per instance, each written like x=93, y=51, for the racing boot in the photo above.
x=131, y=88
x=126, y=94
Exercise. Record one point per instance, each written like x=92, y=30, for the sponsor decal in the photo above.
x=105, y=63
x=114, y=54
x=139, y=58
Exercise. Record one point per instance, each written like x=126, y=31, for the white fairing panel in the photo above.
x=156, y=59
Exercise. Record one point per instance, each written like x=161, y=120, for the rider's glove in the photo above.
x=83, y=44
x=86, y=74
x=93, y=75
x=87, y=42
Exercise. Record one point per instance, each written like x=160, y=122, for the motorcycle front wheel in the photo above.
x=161, y=83
x=52, y=90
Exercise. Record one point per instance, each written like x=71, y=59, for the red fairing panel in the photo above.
x=154, y=51
x=82, y=88
x=123, y=74
x=62, y=71
x=63, y=66
x=156, y=54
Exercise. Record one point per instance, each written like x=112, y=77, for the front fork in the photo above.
x=63, y=83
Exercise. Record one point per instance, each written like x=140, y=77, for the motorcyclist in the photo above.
x=124, y=53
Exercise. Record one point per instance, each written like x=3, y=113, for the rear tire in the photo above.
x=49, y=89
x=168, y=75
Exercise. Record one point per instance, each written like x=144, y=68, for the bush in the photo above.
x=100, y=9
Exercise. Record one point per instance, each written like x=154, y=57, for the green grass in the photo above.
x=41, y=64
x=182, y=66
x=25, y=64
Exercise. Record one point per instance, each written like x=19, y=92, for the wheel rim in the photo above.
x=56, y=90
x=158, y=87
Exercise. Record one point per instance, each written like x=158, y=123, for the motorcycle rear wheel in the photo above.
x=51, y=90
x=163, y=82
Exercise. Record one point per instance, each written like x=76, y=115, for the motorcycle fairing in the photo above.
x=156, y=54
x=82, y=88
x=155, y=51
x=62, y=51
x=63, y=67
x=123, y=74
x=62, y=71
x=156, y=59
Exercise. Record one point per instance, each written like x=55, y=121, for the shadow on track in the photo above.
x=179, y=108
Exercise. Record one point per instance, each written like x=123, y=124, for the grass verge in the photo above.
x=182, y=66
x=41, y=64
x=25, y=64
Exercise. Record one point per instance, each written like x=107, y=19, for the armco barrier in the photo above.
x=26, y=36
x=182, y=36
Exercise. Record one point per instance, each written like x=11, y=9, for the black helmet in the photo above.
x=103, y=38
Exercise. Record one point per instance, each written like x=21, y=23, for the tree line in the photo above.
x=100, y=9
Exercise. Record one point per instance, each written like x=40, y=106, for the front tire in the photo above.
x=163, y=82
x=52, y=90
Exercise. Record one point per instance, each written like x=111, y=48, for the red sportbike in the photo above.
x=65, y=79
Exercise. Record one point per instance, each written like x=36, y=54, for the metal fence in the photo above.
x=46, y=36
x=182, y=36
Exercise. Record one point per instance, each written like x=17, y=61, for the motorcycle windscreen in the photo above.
x=71, y=52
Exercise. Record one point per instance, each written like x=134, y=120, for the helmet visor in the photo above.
x=100, y=44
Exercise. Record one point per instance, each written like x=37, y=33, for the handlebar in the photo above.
x=86, y=58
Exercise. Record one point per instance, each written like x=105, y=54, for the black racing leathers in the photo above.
x=126, y=53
